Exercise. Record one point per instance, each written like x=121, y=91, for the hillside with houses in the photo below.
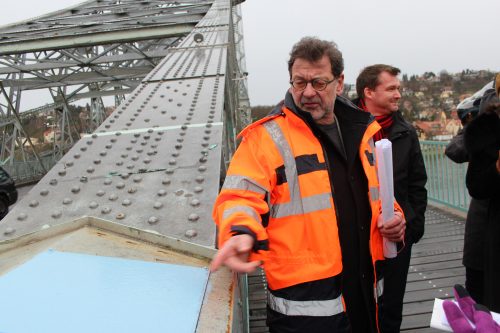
x=428, y=101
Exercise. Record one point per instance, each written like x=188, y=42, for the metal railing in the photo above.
x=29, y=171
x=445, y=178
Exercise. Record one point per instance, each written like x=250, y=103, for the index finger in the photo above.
x=225, y=252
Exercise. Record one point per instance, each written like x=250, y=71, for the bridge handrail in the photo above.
x=445, y=178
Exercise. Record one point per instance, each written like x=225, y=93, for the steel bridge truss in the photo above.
x=89, y=51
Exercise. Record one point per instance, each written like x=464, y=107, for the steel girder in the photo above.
x=91, y=50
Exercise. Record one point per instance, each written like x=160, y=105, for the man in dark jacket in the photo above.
x=378, y=90
x=477, y=215
x=482, y=141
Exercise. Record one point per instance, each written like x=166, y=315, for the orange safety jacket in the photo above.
x=277, y=189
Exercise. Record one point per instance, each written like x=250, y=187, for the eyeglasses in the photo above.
x=317, y=84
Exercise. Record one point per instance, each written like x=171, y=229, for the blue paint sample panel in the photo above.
x=60, y=292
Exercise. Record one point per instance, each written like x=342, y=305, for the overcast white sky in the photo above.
x=414, y=35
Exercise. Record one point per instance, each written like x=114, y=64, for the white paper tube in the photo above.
x=383, y=152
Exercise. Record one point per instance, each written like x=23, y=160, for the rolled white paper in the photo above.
x=383, y=152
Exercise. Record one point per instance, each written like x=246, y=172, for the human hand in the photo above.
x=392, y=229
x=460, y=317
x=234, y=254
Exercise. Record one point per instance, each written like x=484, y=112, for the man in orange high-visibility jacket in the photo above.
x=301, y=198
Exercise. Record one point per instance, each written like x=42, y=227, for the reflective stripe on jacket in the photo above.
x=277, y=189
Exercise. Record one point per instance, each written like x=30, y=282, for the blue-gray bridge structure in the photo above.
x=176, y=70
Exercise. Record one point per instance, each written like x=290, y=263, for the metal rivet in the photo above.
x=75, y=189
x=157, y=205
x=195, y=202
x=200, y=179
x=137, y=179
x=44, y=192
x=135, y=158
x=53, y=182
x=202, y=168
x=112, y=197
x=97, y=162
x=120, y=185
x=132, y=190
x=77, y=156
x=9, y=231
x=93, y=205
x=90, y=170
x=153, y=220
x=56, y=214
x=162, y=193
x=126, y=202
x=179, y=192
x=108, y=181
x=67, y=201
x=130, y=166
x=191, y=233
x=103, y=153
x=198, y=189
x=166, y=181
x=22, y=216
x=172, y=162
x=33, y=203
x=69, y=164
x=105, y=210
x=120, y=216
x=193, y=217
x=100, y=193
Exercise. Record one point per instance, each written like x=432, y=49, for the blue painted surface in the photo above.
x=68, y=292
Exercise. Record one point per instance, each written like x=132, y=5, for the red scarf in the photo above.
x=385, y=121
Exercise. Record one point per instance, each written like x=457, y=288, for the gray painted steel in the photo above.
x=155, y=163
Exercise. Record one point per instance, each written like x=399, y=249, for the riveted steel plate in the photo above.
x=211, y=36
x=60, y=291
x=154, y=164
x=163, y=179
x=191, y=62
x=179, y=102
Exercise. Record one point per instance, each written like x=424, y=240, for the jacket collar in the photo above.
x=346, y=111
x=353, y=122
x=400, y=126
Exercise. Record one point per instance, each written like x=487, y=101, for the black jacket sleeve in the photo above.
x=455, y=150
x=482, y=140
x=417, y=193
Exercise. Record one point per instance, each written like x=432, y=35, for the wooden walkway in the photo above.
x=436, y=266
